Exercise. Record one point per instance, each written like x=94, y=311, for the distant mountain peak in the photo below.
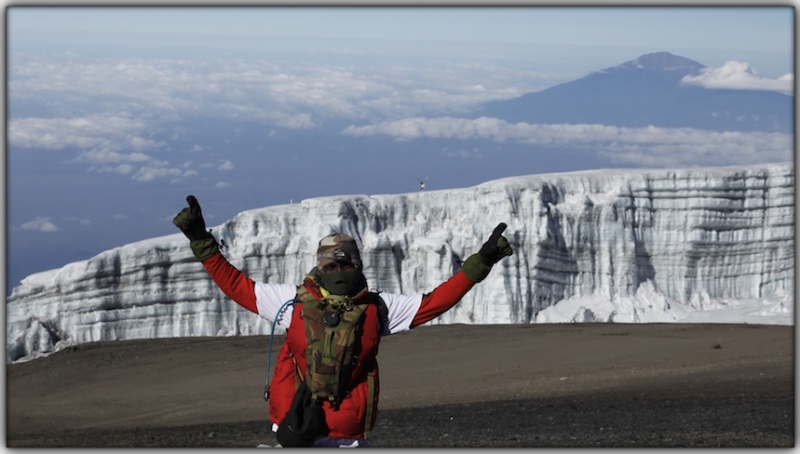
x=647, y=91
x=662, y=61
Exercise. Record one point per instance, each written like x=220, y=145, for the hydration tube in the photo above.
x=269, y=351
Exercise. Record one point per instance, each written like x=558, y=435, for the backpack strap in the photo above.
x=269, y=350
x=370, y=404
x=383, y=312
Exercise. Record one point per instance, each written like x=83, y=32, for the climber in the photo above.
x=325, y=386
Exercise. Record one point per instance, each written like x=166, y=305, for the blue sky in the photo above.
x=117, y=113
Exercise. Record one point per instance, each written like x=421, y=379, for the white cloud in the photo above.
x=734, y=75
x=138, y=143
x=121, y=217
x=151, y=173
x=180, y=179
x=103, y=130
x=222, y=184
x=40, y=224
x=110, y=143
x=671, y=146
x=152, y=170
x=122, y=169
x=296, y=121
x=463, y=153
x=109, y=156
x=83, y=222
x=227, y=165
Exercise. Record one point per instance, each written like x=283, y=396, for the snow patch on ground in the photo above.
x=649, y=305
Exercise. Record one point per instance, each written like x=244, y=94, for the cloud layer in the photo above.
x=280, y=93
x=734, y=75
x=105, y=112
x=651, y=146
x=108, y=111
x=97, y=132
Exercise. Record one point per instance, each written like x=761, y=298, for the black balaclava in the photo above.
x=341, y=282
x=343, y=249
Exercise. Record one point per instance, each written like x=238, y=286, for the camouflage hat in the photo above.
x=338, y=247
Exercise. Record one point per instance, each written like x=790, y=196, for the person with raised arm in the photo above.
x=325, y=387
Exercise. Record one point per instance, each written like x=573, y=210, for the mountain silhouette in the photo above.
x=648, y=91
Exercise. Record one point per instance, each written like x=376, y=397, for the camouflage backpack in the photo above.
x=331, y=325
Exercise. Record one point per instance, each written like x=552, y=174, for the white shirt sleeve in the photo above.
x=402, y=310
x=271, y=297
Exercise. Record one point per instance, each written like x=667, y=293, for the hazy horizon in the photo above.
x=115, y=114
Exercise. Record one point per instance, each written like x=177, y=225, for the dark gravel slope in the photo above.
x=603, y=385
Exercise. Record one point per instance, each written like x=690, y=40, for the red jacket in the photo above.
x=349, y=420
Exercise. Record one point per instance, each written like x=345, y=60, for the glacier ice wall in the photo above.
x=689, y=236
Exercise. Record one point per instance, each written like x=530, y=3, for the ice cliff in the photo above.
x=599, y=246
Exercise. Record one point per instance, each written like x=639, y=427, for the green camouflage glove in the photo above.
x=477, y=266
x=190, y=221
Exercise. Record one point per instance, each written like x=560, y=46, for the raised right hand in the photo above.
x=190, y=221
